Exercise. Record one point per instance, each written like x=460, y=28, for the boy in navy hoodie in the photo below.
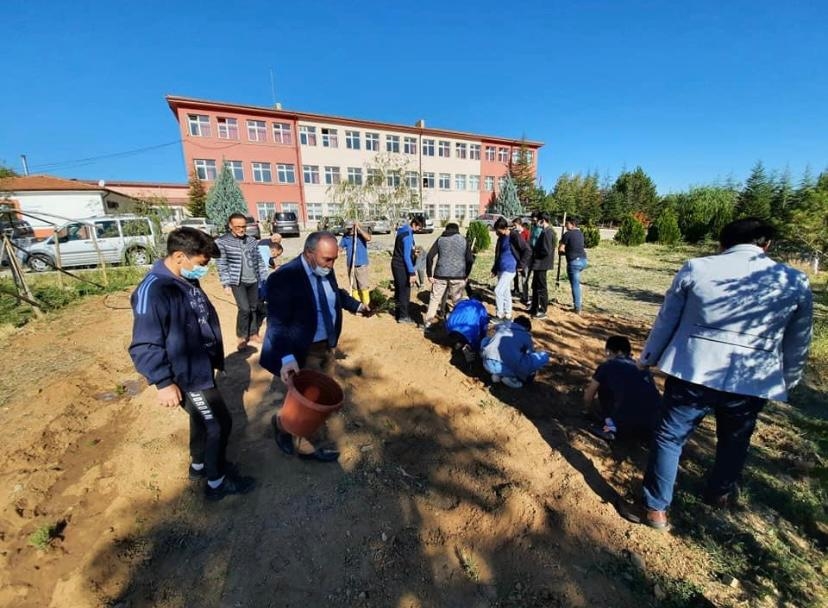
x=177, y=346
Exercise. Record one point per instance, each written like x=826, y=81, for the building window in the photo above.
x=393, y=179
x=372, y=142
x=332, y=175
x=314, y=211
x=265, y=211
x=334, y=208
x=291, y=208
x=410, y=145
x=392, y=143
x=428, y=147
x=490, y=152
x=460, y=212
x=286, y=173
x=236, y=169
x=474, y=151
x=228, y=128
x=489, y=183
x=205, y=169
x=199, y=125
x=261, y=173
x=474, y=210
x=352, y=141
x=460, y=150
x=503, y=155
x=307, y=135
x=411, y=179
x=429, y=209
x=282, y=133
x=530, y=156
x=474, y=182
x=459, y=182
x=310, y=173
x=443, y=212
x=329, y=138
x=444, y=149
x=374, y=177
x=355, y=176
x=256, y=130
x=428, y=180
x=445, y=181
x=500, y=182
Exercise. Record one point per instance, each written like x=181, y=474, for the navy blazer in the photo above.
x=291, y=314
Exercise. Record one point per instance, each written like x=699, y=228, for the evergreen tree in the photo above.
x=757, y=197
x=784, y=197
x=507, y=202
x=197, y=195
x=224, y=198
x=809, y=221
x=631, y=232
x=590, y=200
x=635, y=192
x=667, y=228
x=522, y=172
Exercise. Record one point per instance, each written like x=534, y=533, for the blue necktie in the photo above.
x=326, y=311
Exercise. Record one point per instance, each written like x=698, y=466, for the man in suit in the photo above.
x=733, y=331
x=543, y=258
x=304, y=321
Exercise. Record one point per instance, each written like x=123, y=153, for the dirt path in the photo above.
x=448, y=493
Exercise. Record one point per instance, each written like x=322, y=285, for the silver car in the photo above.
x=200, y=223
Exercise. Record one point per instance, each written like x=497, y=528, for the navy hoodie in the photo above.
x=176, y=338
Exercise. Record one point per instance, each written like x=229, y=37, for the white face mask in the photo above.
x=321, y=272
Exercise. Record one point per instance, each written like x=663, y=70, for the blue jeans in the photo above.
x=573, y=271
x=684, y=407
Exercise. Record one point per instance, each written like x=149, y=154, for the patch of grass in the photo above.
x=42, y=537
x=468, y=563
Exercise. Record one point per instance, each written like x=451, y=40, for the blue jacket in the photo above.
x=469, y=319
x=176, y=337
x=403, y=255
x=511, y=344
x=291, y=314
x=736, y=322
x=347, y=243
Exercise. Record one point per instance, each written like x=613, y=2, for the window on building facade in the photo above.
x=265, y=211
x=460, y=212
x=489, y=183
x=256, y=130
x=332, y=175
x=443, y=212
x=261, y=173
x=334, y=208
x=428, y=180
x=374, y=177
x=515, y=155
x=392, y=143
x=393, y=179
x=291, y=208
x=286, y=173
x=205, y=168
x=329, y=138
x=474, y=182
x=444, y=149
x=372, y=142
x=411, y=179
x=530, y=156
x=500, y=182
x=228, y=128
x=430, y=209
x=307, y=135
x=490, y=152
x=460, y=150
x=352, y=140
x=459, y=182
x=445, y=181
x=503, y=155
x=474, y=211
x=310, y=174
x=282, y=133
x=314, y=211
x=474, y=151
x=428, y=147
x=199, y=125
x=355, y=175
x=236, y=168
x=410, y=145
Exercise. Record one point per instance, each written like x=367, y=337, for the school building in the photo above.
x=288, y=161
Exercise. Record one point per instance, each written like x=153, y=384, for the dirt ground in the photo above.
x=449, y=492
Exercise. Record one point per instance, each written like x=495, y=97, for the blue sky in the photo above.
x=692, y=92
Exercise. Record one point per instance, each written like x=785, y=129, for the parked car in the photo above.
x=334, y=224
x=253, y=229
x=426, y=222
x=125, y=238
x=200, y=223
x=19, y=232
x=488, y=218
x=380, y=225
x=284, y=223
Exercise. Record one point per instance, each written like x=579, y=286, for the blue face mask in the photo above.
x=197, y=272
x=321, y=272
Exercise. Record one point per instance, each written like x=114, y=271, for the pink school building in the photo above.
x=288, y=161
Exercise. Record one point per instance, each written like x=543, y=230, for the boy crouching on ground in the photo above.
x=508, y=354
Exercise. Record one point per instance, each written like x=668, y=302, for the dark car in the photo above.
x=253, y=228
x=284, y=223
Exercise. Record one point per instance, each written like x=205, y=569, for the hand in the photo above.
x=228, y=290
x=365, y=310
x=413, y=281
x=170, y=396
x=288, y=369
x=643, y=366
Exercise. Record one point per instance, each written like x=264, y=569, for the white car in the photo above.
x=200, y=223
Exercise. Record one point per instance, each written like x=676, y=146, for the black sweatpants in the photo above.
x=248, y=320
x=210, y=426
x=402, y=291
x=540, y=293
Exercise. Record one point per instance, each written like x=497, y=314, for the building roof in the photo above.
x=125, y=184
x=31, y=183
x=175, y=102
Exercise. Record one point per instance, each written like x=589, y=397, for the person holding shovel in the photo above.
x=357, y=259
x=304, y=321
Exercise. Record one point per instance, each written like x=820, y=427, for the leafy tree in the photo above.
x=478, y=236
x=703, y=211
x=631, y=232
x=634, y=191
x=757, y=197
x=197, y=195
x=507, y=203
x=224, y=198
x=666, y=228
x=592, y=236
x=7, y=172
x=809, y=221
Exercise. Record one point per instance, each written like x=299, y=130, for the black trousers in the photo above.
x=248, y=320
x=210, y=426
x=402, y=291
x=540, y=293
x=521, y=285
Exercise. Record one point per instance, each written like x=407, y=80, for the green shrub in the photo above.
x=592, y=236
x=478, y=235
x=632, y=232
x=668, y=228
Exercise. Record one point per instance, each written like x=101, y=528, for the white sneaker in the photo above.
x=512, y=382
x=495, y=378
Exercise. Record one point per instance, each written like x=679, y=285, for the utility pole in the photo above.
x=25, y=164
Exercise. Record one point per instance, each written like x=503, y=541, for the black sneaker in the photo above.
x=539, y=315
x=230, y=486
x=196, y=475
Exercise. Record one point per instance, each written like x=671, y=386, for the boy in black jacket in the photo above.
x=177, y=346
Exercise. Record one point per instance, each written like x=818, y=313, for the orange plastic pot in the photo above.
x=311, y=398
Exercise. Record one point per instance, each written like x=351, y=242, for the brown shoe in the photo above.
x=241, y=345
x=639, y=514
x=656, y=519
